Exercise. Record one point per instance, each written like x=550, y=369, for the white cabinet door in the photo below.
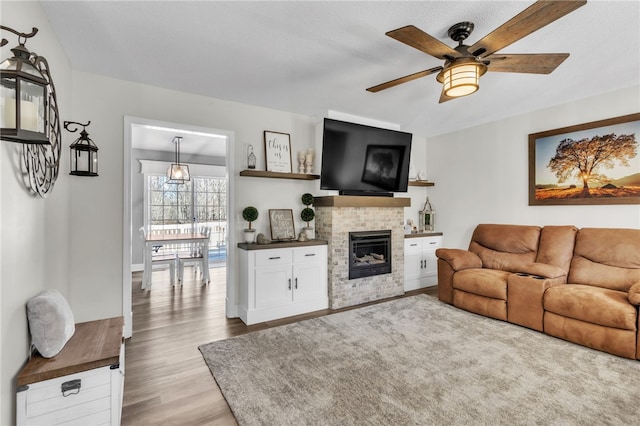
x=306, y=282
x=273, y=286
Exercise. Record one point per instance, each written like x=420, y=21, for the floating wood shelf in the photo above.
x=278, y=175
x=420, y=183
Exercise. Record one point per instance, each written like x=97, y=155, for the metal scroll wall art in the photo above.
x=30, y=113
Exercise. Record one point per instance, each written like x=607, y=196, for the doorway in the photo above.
x=152, y=139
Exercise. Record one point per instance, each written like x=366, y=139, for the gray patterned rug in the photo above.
x=417, y=361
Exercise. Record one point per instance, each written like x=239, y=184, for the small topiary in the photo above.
x=250, y=214
x=307, y=215
x=307, y=199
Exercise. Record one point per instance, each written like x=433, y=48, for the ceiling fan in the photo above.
x=465, y=64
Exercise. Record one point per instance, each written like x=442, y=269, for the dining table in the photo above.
x=166, y=238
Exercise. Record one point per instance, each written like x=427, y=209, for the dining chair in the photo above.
x=157, y=258
x=194, y=255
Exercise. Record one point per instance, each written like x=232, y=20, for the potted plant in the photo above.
x=307, y=215
x=250, y=214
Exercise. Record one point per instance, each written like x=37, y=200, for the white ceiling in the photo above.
x=308, y=57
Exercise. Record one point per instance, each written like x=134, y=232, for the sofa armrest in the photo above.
x=634, y=294
x=459, y=259
x=544, y=270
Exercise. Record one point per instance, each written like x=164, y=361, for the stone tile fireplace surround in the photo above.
x=336, y=216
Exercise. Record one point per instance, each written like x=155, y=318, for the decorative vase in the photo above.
x=311, y=233
x=249, y=235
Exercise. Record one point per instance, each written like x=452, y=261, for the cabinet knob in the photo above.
x=289, y=283
x=296, y=285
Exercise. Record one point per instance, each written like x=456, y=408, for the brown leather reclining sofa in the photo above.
x=579, y=285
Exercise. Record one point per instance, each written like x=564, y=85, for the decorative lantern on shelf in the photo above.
x=251, y=158
x=83, y=152
x=426, y=221
x=23, y=111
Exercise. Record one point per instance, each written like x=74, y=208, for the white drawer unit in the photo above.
x=282, y=279
x=82, y=385
x=420, y=262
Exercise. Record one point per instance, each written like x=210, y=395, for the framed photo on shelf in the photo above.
x=591, y=163
x=277, y=148
x=281, y=221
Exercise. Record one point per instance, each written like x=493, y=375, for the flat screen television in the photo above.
x=364, y=160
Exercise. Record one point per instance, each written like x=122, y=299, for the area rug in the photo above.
x=418, y=361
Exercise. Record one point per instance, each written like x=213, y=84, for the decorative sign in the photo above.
x=281, y=221
x=277, y=147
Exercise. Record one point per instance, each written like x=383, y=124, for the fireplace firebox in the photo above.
x=370, y=253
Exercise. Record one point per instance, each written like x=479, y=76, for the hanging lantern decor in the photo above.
x=83, y=152
x=23, y=89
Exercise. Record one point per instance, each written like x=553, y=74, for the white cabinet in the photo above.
x=420, y=262
x=281, y=282
x=82, y=385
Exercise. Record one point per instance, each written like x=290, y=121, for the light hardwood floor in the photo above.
x=166, y=380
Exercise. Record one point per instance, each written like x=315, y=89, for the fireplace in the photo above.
x=370, y=253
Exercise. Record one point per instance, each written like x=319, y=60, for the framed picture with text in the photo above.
x=281, y=221
x=277, y=148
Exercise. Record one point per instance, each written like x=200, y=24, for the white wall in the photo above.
x=33, y=231
x=481, y=173
x=98, y=277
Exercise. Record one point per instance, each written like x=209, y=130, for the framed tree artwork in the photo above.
x=591, y=163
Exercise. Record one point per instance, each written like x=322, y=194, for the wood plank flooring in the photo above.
x=166, y=380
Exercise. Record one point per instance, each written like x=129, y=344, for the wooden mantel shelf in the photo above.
x=360, y=201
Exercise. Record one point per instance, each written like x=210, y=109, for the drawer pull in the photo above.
x=310, y=254
x=69, y=387
x=296, y=287
x=289, y=283
x=413, y=245
x=274, y=258
x=432, y=242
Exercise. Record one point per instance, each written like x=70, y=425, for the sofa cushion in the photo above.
x=505, y=247
x=595, y=305
x=634, y=294
x=556, y=245
x=484, y=282
x=606, y=257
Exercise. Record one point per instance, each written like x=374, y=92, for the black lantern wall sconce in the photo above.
x=83, y=152
x=29, y=113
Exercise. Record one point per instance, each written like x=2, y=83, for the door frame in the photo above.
x=231, y=308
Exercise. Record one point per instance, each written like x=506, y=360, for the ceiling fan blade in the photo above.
x=526, y=22
x=404, y=79
x=535, y=63
x=422, y=41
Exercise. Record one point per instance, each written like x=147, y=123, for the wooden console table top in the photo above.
x=281, y=244
x=360, y=201
x=94, y=344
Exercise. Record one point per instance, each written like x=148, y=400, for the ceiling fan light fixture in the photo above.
x=462, y=80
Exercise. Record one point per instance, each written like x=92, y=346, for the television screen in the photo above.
x=359, y=159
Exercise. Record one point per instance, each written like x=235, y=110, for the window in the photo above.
x=178, y=207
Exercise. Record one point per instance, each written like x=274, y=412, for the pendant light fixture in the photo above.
x=178, y=173
x=83, y=152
